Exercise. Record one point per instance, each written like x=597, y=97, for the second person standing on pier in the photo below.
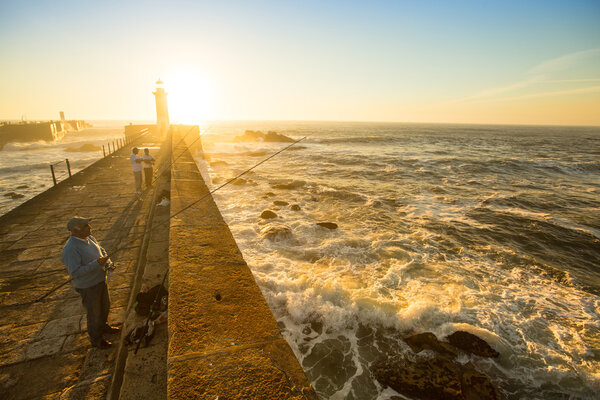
x=148, y=160
x=136, y=166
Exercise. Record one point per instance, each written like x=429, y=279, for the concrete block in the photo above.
x=60, y=327
x=255, y=372
x=44, y=348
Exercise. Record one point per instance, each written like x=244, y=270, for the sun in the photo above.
x=191, y=96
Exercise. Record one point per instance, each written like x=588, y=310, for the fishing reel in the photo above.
x=109, y=266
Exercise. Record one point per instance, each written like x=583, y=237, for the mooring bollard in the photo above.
x=68, y=166
x=53, y=175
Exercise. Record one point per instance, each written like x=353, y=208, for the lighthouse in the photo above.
x=162, y=110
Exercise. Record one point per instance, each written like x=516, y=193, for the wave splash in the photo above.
x=434, y=236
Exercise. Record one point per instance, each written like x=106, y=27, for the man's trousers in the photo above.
x=97, y=304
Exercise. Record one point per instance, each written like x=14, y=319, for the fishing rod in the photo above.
x=134, y=238
x=153, y=305
x=183, y=209
x=186, y=148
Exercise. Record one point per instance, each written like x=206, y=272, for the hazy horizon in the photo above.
x=493, y=63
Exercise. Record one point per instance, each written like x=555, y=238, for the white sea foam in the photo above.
x=391, y=264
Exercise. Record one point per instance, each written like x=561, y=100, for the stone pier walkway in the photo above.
x=44, y=349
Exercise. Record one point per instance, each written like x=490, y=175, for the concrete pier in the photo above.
x=44, y=350
x=221, y=338
x=224, y=342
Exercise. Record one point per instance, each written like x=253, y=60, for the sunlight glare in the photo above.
x=190, y=95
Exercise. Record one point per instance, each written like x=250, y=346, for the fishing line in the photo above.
x=180, y=211
x=134, y=238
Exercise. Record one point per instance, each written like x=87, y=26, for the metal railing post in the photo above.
x=68, y=166
x=53, y=175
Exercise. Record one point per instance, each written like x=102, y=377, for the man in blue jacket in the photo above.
x=87, y=263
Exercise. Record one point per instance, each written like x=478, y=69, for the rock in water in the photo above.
x=328, y=225
x=14, y=195
x=239, y=181
x=280, y=203
x=436, y=379
x=84, y=147
x=258, y=136
x=428, y=380
x=428, y=341
x=478, y=386
x=295, y=207
x=277, y=137
x=289, y=185
x=472, y=344
x=268, y=214
x=275, y=233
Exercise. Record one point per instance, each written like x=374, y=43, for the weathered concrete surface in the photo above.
x=144, y=375
x=224, y=342
x=44, y=350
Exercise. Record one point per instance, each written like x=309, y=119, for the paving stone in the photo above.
x=77, y=341
x=43, y=348
x=90, y=389
x=60, y=327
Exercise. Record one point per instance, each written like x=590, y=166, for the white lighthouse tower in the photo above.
x=162, y=110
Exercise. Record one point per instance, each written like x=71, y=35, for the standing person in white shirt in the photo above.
x=147, y=161
x=136, y=166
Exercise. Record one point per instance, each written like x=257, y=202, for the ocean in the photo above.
x=25, y=167
x=494, y=230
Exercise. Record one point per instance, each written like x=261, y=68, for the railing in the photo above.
x=53, y=170
x=107, y=149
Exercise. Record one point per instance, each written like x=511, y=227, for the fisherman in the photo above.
x=136, y=166
x=147, y=161
x=87, y=263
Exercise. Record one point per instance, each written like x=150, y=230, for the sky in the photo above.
x=497, y=62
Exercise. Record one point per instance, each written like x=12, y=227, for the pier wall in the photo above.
x=224, y=341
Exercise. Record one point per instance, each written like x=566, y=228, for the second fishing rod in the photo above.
x=167, y=220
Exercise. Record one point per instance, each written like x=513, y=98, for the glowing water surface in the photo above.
x=490, y=229
x=25, y=167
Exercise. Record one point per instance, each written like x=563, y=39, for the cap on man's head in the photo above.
x=77, y=221
x=134, y=150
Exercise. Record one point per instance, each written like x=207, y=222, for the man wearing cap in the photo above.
x=87, y=263
x=136, y=166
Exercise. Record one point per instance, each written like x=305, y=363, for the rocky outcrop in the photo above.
x=328, y=225
x=268, y=214
x=83, y=148
x=436, y=379
x=471, y=344
x=276, y=233
x=280, y=203
x=258, y=136
x=14, y=195
x=239, y=181
x=437, y=375
x=289, y=185
x=428, y=341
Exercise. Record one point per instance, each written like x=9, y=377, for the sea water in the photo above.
x=489, y=229
x=493, y=230
x=25, y=167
